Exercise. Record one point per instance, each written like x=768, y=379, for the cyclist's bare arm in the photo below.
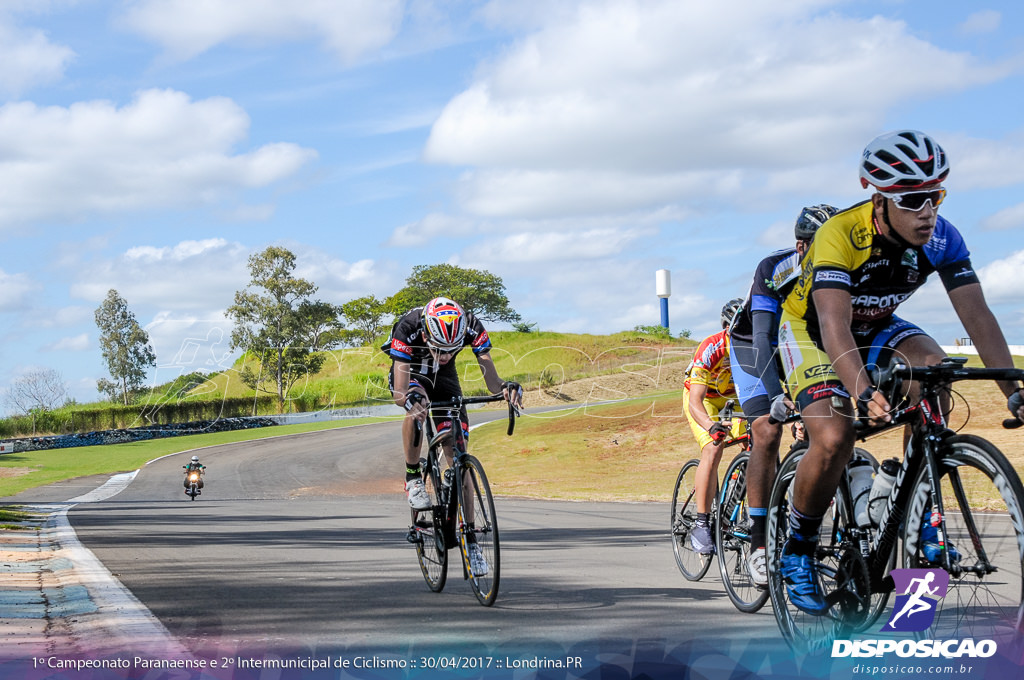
x=403, y=371
x=696, y=405
x=495, y=385
x=983, y=328
x=835, y=315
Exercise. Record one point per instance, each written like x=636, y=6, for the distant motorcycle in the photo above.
x=192, y=484
x=194, y=477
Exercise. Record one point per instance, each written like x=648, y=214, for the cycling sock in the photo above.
x=759, y=520
x=803, y=532
x=412, y=472
x=702, y=519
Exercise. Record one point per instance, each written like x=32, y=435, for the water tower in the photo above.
x=663, y=284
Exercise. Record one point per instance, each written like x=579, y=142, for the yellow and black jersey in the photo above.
x=849, y=253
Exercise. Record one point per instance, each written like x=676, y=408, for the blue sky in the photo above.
x=571, y=147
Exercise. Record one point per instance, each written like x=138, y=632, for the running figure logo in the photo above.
x=914, y=610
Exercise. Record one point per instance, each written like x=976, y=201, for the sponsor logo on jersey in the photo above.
x=909, y=259
x=834, y=275
x=880, y=302
x=399, y=346
x=861, y=238
x=481, y=339
x=818, y=371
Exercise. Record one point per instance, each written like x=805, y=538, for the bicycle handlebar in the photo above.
x=459, y=402
x=889, y=381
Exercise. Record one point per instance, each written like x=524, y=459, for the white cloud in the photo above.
x=1007, y=218
x=985, y=21
x=556, y=247
x=65, y=317
x=197, y=277
x=550, y=193
x=432, y=226
x=162, y=149
x=656, y=90
x=1001, y=279
x=17, y=291
x=76, y=343
x=186, y=28
x=29, y=59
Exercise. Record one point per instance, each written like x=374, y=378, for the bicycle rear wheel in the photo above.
x=684, y=516
x=478, y=523
x=431, y=550
x=984, y=515
x=732, y=539
x=837, y=561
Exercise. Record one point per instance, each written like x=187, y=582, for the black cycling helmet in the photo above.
x=810, y=219
x=729, y=311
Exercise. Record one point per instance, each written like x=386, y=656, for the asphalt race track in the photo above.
x=297, y=543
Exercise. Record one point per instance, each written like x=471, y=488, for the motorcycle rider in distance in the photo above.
x=194, y=464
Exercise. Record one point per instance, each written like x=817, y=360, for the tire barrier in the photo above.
x=135, y=434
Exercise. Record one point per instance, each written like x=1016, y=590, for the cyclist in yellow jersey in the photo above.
x=707, y=388
x=861, y=265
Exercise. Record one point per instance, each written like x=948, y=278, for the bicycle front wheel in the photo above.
x=732, y=539
x=837, y=563
x=478, y=525
x=431, y=550
x=684, y=516
x=983, y=502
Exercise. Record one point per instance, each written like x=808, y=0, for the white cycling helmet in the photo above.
x=905, y=159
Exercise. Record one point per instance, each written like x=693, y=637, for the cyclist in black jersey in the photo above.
x=862, y=264
x=754, y=337
x=423, y=345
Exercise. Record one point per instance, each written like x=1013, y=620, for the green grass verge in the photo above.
x=22, y=471
x=627, y=451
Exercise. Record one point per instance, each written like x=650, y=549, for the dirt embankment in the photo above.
x=631, y=380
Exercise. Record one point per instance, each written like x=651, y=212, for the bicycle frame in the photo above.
x=928, y=430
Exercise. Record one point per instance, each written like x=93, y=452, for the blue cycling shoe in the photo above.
x=930, y=547
x=801, y=576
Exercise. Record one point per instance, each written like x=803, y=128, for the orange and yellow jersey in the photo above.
x=710, y=367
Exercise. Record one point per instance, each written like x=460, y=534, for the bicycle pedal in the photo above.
x=413, y=536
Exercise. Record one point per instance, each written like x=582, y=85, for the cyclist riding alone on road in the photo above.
x=753, y=338
x=840, y=317
x=423, y=345
x=707, y=388
x=194, y=464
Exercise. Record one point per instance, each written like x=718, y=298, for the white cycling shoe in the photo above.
x=477, y=561
x=417, y=493
x=757, y=567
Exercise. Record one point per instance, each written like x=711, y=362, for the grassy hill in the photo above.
x=358, y=376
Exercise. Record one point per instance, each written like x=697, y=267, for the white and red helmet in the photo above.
x=444, y=324
x=905, y=159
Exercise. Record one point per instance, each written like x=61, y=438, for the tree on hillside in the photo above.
x=368, y=316
x=125, y=346
x=278, y=324
x=478, y=291
x=41, y=389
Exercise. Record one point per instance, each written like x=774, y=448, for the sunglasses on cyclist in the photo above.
x=916, y=200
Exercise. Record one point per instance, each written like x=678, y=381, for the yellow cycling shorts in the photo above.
x=809, y=373
x=713, y=405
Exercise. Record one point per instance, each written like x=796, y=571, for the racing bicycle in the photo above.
x=730, y=522
x=961, y=484
x=461, y=509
